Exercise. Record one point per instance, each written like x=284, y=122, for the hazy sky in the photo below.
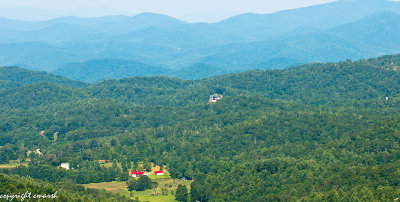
x=189, y=10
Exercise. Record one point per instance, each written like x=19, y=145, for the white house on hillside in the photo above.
x=65, y=166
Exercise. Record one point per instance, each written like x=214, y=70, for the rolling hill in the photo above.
x=275, y=135
x=374, y=35
x=19, y=76
x=97, y=70
x=323, y=33
x=308, y=125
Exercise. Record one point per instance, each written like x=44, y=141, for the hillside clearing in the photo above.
x=147, y=195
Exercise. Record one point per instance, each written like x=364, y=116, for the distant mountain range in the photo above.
x=162, y=45
x=102, y=69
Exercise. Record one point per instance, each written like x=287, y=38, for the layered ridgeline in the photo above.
x=323, y=33
x=312, y=83
x=14, y=76
x=24, y=88
x=314, y=132
x=97, y=70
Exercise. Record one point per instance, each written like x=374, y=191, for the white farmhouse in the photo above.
x=65, y=166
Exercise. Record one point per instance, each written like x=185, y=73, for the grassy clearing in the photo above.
x=170, y=184
x=11, y=164
x=155, y=168
x=109, y=164
x=153, y=176
x=147, y=195
x=114, y=187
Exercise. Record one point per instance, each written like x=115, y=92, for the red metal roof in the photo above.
x=137, y=173
x=159, y=171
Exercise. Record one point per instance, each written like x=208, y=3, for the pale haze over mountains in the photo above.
x=190, y=11
x=93, y=49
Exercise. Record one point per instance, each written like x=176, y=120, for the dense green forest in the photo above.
x=14, y=76
x=315, y=132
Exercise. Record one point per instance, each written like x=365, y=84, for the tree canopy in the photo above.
x=313, y=132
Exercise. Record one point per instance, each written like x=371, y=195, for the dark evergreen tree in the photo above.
x=181, y=193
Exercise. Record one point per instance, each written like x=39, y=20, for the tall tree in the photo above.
x=181, y=193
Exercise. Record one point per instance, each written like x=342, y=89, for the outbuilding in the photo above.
x=160, y=172
x=137, y=173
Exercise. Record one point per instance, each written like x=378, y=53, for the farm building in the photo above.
x=65, y=166
x=138, y=173
x=159, y=172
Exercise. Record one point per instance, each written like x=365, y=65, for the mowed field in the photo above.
x=153, y=195
x=11, y=164
x=115, y=187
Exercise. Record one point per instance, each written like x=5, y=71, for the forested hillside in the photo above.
x=14, y=76
x=326, y=131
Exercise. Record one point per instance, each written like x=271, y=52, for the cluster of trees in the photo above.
x=9, y=152
x=141, y=184
x=320, y=131
x=182, y=193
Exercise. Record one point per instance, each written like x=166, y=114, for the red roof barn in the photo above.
x=159, y=172
x=137, y=173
